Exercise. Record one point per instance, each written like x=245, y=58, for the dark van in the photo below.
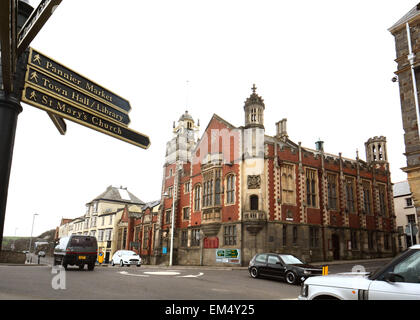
x=76, y=250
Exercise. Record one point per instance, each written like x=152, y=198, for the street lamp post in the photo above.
x=175, y=186
x=30, y=241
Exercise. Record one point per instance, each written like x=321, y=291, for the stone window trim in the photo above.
x=350, y=194
x=184, y=238
x=311, y=183
x=367, y=197
x=229, y=235
x=187, y=187
x=184, y=216
x=314, y=239
x=230, y=187
x=212, y=188
x=383, y=200
x=194, y=234
x=197, y=190
x=168, y=214
x=288, y=183
x=333, y=194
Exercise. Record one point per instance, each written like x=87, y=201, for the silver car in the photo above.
x=398, y=280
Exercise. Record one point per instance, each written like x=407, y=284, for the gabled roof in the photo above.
x=218, y=118
x=151, y=204
x=118, y=195
x=406, y=18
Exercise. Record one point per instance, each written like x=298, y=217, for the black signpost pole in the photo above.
x=9, y=110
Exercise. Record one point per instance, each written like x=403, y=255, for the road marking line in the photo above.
x=191, y=275
x=130, y=274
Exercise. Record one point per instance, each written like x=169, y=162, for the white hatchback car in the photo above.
x=398, y=280
x=126, y=257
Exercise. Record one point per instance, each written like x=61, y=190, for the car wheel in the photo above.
x=121, y=263
x=290, y=277
x=81, y=267
x=254, y=272
x=139, y=265
x=112, y=263
x=91, y=266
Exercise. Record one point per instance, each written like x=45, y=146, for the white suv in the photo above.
x=398, y=280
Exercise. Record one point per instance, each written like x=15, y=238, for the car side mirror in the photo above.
x=393, y=277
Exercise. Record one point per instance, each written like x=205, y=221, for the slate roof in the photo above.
x=407, y=17
x=401, y=189
x=118, y=195
x=151, y=204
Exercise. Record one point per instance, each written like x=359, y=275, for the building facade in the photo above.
x=406, y=32
x=102, y=219
x=236, y=192
x=406, y=219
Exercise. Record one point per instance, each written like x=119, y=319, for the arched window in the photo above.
x=253, y=202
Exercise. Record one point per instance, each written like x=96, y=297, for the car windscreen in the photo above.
x=83, y=242
x=289, y=259
x=129, y=253
x=379, y=272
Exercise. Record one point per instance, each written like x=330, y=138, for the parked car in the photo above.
x=397, y=280
x=126, y=257
x=284, y=266
x=41, y=253
x=76, y=250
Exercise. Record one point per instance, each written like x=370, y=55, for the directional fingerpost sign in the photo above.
x=50, y=86
x=74, y=112
x=55, y=88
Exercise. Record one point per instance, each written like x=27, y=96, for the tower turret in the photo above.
x=254, y=110
x=376, y=150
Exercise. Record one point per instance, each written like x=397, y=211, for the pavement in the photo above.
x=182, y=267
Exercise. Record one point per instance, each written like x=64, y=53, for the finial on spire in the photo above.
x=254, y=88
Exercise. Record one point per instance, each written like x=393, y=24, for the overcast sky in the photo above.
x=324, y=65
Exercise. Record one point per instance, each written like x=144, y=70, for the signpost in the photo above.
x=73, y=112
x=55, y=69
x=8, y=27
x=50, y=86
x=34, y=23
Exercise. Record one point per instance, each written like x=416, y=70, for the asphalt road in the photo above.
x=148, y=283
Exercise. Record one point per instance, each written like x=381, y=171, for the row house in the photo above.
x=236, y=192
x=102, y=219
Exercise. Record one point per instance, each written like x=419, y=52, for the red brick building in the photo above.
x=238, y=191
